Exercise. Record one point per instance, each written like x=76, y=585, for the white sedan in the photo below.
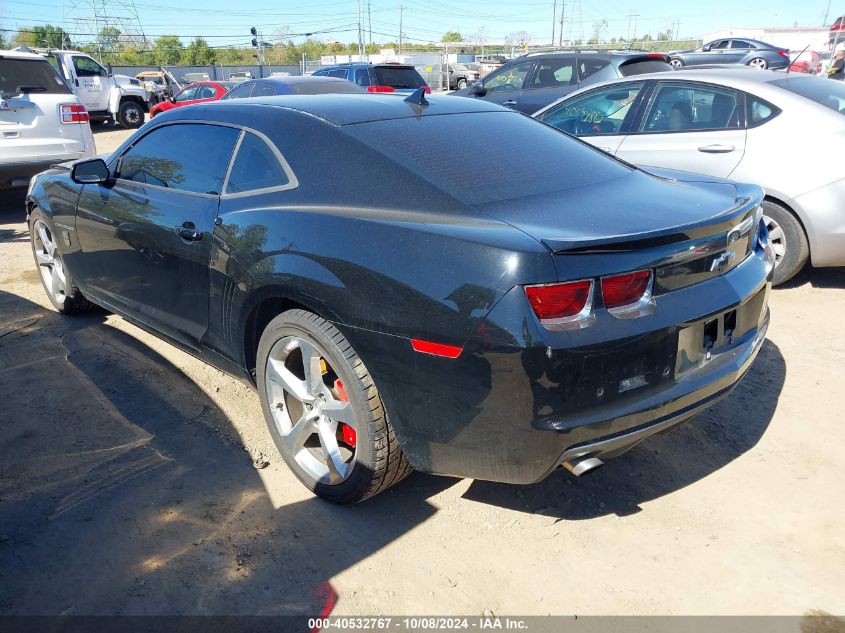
x=781, y=131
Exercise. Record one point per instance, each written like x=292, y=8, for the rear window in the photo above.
x=641, y=66
x=830, y=94
x=399, y=77
x=527, y=158
x=323, y=87
x=19, y=76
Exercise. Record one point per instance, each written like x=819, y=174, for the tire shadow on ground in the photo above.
x=124, y=488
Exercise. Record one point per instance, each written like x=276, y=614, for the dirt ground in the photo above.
x=127, y=486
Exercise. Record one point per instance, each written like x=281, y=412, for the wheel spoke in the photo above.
x=340, y=412
x=327, y=430
x=44, y=259
x=46, y=242
x=779, y=249
x=311, y=367
x=282, y=376
x=301, y=431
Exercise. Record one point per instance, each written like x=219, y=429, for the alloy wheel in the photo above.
x=759, y=63
x=311, y=410
x=777, y=238
x=676, y=63
x=50, y=264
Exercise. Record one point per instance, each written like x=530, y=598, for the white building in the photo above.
x=795, y=39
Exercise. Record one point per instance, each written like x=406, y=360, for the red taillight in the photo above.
x=551, y=302
x=380, y=89
x=427, y=90
x=625, y=290
x=73, y=113
x=436, y=349
x=783, y=53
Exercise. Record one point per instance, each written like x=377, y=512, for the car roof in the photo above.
x=368, y=65
x=295, y=79
x=9, y=54
x=350, y=109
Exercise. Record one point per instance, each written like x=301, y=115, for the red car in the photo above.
x=199, y=92
x=807, y=62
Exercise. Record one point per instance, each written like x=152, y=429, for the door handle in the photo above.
x=509, y=103
x=716, y=149
x=188, y=232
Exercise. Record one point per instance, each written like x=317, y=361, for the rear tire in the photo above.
x=323, y=410
x=759, y=63
x=55, y=277
x=130, y=115
x=462, y=83
x=788, y=240
x=676, y=63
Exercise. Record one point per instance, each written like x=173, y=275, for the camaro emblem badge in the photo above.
x=733, y=236
x=721, y=260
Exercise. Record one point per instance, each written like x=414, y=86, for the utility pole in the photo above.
x=360, y=35
x=560, y=36
x=401, y=10
x=554, y=19
x=370, y=22
x=826, y=12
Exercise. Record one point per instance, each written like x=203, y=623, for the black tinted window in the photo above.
x=740, y=44
x=532, y=158
x=188, y=157
x=340, y=73
x=641, y=66
x=399, y=77
x=362, y=77
x=86, y=67
x=263, y=90
x=587, y=66
x=255, y=167
x=29, y=75
x=241, y=92
x=830, y=94
x=323, y=87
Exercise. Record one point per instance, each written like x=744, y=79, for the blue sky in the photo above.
x=226, y=23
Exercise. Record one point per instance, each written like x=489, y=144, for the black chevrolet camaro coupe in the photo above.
x=491, y=311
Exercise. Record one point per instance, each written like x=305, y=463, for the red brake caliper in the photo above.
x=348, y=432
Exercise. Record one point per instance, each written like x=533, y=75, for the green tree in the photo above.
x=110, y=40
x=451, y=36
x=46, y=36
x=167, y=50
x=199, y=53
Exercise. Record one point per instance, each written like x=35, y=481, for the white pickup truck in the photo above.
x=106, y=96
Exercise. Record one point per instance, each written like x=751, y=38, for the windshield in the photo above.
x=18, y=76
x=398, y=77
x=830, y=94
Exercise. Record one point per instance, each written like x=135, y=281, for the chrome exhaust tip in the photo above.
x=582, y=465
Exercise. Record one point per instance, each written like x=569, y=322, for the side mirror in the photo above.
x=90, y=172
x=172, y=99
x=706, y=48
x=478, y=89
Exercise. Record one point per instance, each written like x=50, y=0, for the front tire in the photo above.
x=323, y=410
x=462, y=83
x=55, y=277
x=130, y=115
x=788, y=241
x=676, y=63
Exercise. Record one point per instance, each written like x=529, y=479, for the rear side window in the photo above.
x=587, y=67
x=187, y=156
x=740, y=44
x=18, y=76
x=553, y=73
x=760, y=111
x=206, y=92
x=399, y=77
x=241, y=92
x=256, y=167
x=324, y=87
x=340, y=73
x=687, y=107
x=362, y=77
x=830, y=94
x=263, y=90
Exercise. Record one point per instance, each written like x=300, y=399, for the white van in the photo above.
x=41, y=121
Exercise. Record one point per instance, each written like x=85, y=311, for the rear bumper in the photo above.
x=520, y=400
x=17, y=175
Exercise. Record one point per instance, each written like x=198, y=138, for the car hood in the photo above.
x=657, y=203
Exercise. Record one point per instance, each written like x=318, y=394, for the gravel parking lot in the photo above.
x=127, y=486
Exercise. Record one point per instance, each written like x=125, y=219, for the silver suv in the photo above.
x=41, y=121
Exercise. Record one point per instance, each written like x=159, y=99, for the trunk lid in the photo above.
x=31, y=130
x=687, y=228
